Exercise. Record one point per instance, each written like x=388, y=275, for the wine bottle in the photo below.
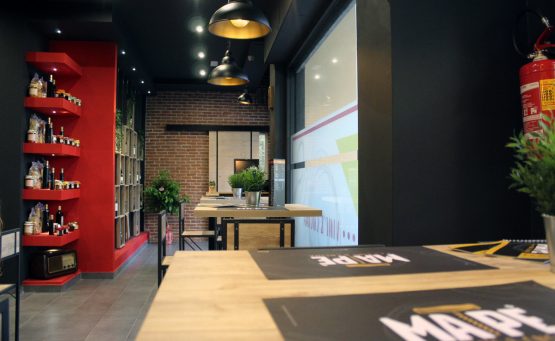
x=51, y=87
x=45, y=218
x=51, y=225
x=60, y=216
x=46, y=176
x=62, y=131
x=62, y=175
x=48, y=133
x=53, y=178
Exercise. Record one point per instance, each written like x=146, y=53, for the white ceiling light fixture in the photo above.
x=202, y=72
x=123, y=52
x=58, y=31
x=199, y=29
x=133, y=69
x=334, y=60
x=201, y=55
x=317, y=76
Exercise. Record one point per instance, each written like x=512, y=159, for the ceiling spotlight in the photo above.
x=54, y=69
x=227, y=73
x=316, y=76
x=58, y=31
x=133, y=69
x=199, y=29
x=201, y=55
x=148, y=92
x=239, y=19
x=123, y=52
x=142, y=81
x=245, y=98
x=202, y=73
x=334, y=60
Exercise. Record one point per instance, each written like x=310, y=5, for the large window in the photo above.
x=325, y=145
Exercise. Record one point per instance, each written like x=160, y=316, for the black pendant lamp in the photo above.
x=227, y=73
x=239, y=19
x=245, y=98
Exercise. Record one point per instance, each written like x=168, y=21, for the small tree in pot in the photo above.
x=534, y=174
x=253, y=183
x=164, y=194
x=236, y=183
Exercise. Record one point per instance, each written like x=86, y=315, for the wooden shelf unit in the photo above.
x=129, y=188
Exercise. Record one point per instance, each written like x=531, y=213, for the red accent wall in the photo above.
x=95, y=168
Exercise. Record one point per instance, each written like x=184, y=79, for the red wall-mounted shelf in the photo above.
x=52, y=106
x=54, y=282
x=44, y=239
x=51, y=195
x=51, y=149
x=56, y=63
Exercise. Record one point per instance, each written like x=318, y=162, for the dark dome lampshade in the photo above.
x=227, y=73
x=239, y=19
x=245, y=98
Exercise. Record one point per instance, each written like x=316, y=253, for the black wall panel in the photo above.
x=438, y=100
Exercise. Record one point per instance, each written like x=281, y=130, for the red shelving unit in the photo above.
x=51, y=106
x=56, y=63
x=44, y=239
x=54, y=282
x=51, y=195
x=51, y=149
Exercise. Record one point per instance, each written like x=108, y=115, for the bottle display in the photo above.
x=53, y=178
x=51, y=87
x=46, y=175
x=51, y=225
x=45, y=216
x=60, y=216
x=62, y=175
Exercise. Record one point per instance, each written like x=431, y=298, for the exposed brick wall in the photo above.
x=185, y=154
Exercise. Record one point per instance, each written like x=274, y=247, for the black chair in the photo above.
x=186, y=235
x=163, y=260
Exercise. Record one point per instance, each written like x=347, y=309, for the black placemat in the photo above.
x=345, y=262
x=516, y=311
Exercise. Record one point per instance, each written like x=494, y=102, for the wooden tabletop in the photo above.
x=219, y=295
x=290, y=210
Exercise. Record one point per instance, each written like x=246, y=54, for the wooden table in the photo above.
x=266, y=225
x=219, y=295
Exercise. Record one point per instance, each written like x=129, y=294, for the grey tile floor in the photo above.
x=94, y=309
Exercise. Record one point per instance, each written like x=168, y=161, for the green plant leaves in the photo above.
x=236, y=180
x=534, y=170
x=168, y=199
x=253, y=179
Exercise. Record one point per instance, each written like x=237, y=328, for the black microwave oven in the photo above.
x=53, y=263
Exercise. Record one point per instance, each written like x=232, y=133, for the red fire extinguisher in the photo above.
x=537, y=84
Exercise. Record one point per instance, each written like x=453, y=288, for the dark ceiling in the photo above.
x=160, y=37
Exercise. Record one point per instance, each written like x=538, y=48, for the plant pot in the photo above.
x=549, y=224
x=237, y=193
x=252, y=198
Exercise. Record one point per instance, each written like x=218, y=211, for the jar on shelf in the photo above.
x=28, y=228
x=32, y=136
x=29, y=182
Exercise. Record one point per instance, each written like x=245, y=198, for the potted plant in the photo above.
x=534, y=174
x=211, y=187
x=236, y=183
x=164, y=194
x=253, y=183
